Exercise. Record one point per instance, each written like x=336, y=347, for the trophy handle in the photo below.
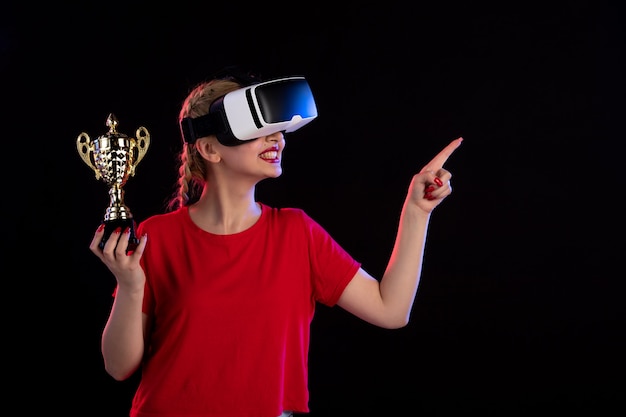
x=85, y=149
x=143, y=141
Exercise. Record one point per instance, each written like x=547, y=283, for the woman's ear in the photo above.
x=206, y=148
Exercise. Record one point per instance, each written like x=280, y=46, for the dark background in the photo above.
x=520, y=307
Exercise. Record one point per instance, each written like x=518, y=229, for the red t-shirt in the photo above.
x=232, y=313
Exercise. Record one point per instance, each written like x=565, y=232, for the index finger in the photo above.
x=437, y=162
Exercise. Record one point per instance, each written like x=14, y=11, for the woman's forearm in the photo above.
x=122, y=338
x=398, y=286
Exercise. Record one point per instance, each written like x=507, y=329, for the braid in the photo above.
x=182, y=195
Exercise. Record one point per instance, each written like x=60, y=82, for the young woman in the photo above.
x=214, y=305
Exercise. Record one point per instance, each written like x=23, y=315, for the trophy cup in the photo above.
x=113, y=157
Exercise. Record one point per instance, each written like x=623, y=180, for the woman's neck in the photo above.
x=225, y=213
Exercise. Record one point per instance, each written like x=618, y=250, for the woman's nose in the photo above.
x=275, y=137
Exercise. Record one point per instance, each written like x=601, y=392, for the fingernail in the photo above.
x=430, y=189
x=100, y=228
x=428, y=196
x=438, y=182
x=118, y=230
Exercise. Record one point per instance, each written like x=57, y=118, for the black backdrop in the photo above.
x=520, y=306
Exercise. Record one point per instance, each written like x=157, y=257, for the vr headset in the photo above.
x=261, y=109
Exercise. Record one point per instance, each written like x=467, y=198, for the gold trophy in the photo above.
x=113, y=157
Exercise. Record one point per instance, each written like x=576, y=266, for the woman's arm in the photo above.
x=124, y=333
x=387, y=303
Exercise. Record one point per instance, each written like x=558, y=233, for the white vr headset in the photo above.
x=279, y=105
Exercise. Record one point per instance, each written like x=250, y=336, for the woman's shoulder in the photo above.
x=164, y=220
x=285, y=213
x=291, y=215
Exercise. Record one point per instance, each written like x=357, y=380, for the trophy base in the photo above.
x=111, y=225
